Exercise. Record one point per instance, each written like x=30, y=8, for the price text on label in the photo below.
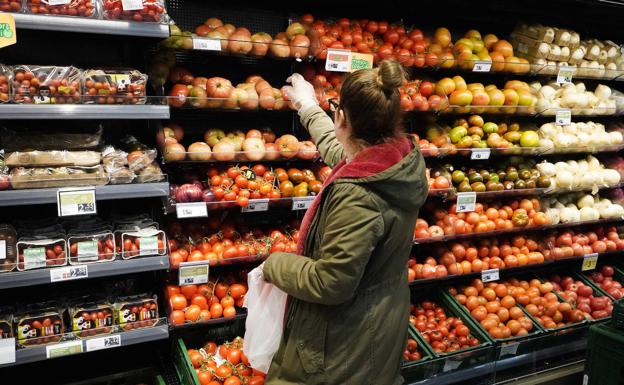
x=87, y=251
x=58, y=2
x=565, y=74
x=205, y=44
x=563, y=117
x=192, y=210
x=509, y=349
x=490, y=275
x=112, y=341
x=69, y=273
x=193, y=273
x=302, y=203
x=256, y=205
x=34, y=257
x=482, y=66
x=338, y=60
x=480, y=154
x=466, y=202
x=3, y=252
x=451, y=364
x=131, y=5
x=7, y=350
x=76, y=202
x=589, y=262
x=63, y=349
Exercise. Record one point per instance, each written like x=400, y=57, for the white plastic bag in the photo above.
x=265, y=305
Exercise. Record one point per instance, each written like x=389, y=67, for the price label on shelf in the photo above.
x=205, y=44
x=58, y=2
x=192, y=210
x=360, y=61
x=482, y=66
x=193, y=273
x=338, y=60
x=466, y=202
x=480, y=154
x=87, y=251
x=2, y=249
x=148, y=245
x=256, y=205
x=34, y=258
x=7, y=350
x=490, y=275
x=63, y=349
x=73, y=201
x=589, y=262
x=111, y=341
x=302, y=203
x=509, y=349
x=131, y=5
x=451, y=364
x=8, y=34
x=563, y=117
x=69, y=273
x=565, y=74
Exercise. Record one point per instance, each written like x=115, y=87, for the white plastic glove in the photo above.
x=301, y=93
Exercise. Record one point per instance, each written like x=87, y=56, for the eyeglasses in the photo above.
x=333, y=105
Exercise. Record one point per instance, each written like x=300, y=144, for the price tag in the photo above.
x=205, y=44
x=87, y=251
x=7, y=351
x=482, y=66
x=2, y=249
x=63, y=349
x=302, y=203
x=489, y=275
x=69, y=273
x=148, y=245
x=256, y=205
x=563, y=117
x=193, y=273
x=338, y=60
x=565, y=74
x=466, y=202
x=58, y=2
x=480, y=154
x=589, y=262
x=76, y=202
x=8, y=35
x=131, y=5
x=192, y=210
x=450, y=364
x=34, y=258
x=509, y=349
x=111, y=341
x=585, y=379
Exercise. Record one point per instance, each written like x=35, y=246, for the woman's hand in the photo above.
x=301, y=93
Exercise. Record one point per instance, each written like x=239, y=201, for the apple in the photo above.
x=295, y=29
x=480, y=98
x=253, y=134
x=213, y=136
x=280, y=48
x=224, y=150
x=174, y=152
x=299, y=46
x=261, y=42
x=266, y=99
x=268, y=135
x=497, y=97
x=288, y=145
x=524, y=98
x=307, y=150
x=254, y=149
x=199, y=151
x=271, y=151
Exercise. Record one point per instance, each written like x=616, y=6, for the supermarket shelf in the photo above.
x=83, y=111
x=95, y=270
x=86, y=25
x=452, y=193
x=106, y=192
x=133, y=337
x=255, y=205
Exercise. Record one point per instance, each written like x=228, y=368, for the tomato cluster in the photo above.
x=226, y=242
x=216, y=299
x=55, y=255
x=105, y=248
x=10, y=5
x=137, y=313
x=56, y=85
x=604, y=279
x=109, y=92
x=4, y=88
x=92, y=321
x=495, y=308
x=42, y=329
x=582, y=297
x=153, y=10
x=235, y=368
x=570, y=243
x=444, y=334
x=412, y=351
x=84, y=8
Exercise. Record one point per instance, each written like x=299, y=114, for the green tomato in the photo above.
x=457, y=133
x=490, y=128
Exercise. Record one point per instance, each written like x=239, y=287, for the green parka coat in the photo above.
x=347, y=319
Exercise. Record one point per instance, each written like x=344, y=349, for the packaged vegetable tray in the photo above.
x=82, y=8
x=25, y=139
x=34, y=84
x=44, y=177
x=114, y=86
x=137, y=311
x=135, y=10
x=42, y=251
x=91, y=247
x=142, y=243
x=91, y=319
x=37, y=327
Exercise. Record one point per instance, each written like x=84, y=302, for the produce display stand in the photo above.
x=200, y=226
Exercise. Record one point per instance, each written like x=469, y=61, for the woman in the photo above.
x=346, y=321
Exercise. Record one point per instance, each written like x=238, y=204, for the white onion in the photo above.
x=564, y=179
x=616, y=137
x=569, y=215
x=547, y=169
x=586, y=201
x=611, y=177
x=603, y=92
x=594, y=164
x=589, y=214
x=547, y=92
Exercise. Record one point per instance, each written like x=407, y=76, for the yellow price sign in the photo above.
x=8, y=35
x=589, y=262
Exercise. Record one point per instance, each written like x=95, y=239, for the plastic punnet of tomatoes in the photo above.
x=82, y=8
x=91, y=319
x=113, y=86
x=39, y=326
x=135, y=10
x=8, y=247
x=143, y=243
x=46, y=84
x=137, y=311
x=39, y=252
x=91, y=247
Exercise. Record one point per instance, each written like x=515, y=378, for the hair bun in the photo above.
x=390, y=75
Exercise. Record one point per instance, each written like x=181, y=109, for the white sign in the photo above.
x=563, y=117
x=148, y=245
x=34, y=258
x=466, y=202
x=302, y=203
x=63, y=349
x=565, y=74
x=2, y=249
x=131, y=5
x=489, y=275
x=482, y=66
x=76, y=202
x=58, y=2
x=450, y=364
x=193, y=273
x=206, y=44
x=589, y=262
x=509, y=349
x=480, y=154
x=69, y=273
x=256, y=205
x=192, y=210
x=7, y=351
x=87, y=251
x=338, y=60
x=111, y=341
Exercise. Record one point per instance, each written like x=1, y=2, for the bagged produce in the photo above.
x=142, y=243
x=91, y=247
x=136, y=311
x=45, y=250
x=82, y=8
x=114, y=86
x=91, y=319
x=137, y=10
x=52, y=158
x=45, y=140
x=34, y=84
x=265, y=305
x=25, y=178
x=39, y=326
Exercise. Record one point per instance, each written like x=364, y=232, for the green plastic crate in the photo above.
x=414, y=371
x=604, y=364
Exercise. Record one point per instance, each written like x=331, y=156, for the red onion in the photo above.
x=208, y=195
x=188, y=193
